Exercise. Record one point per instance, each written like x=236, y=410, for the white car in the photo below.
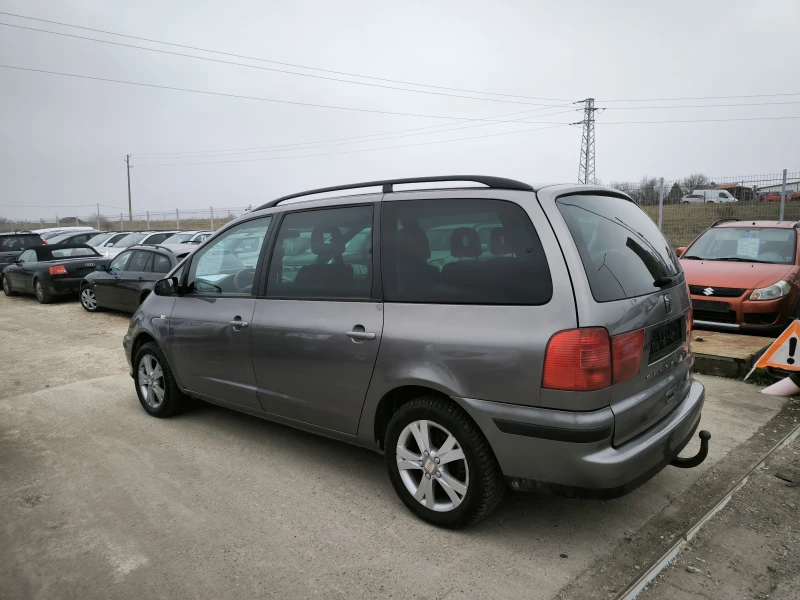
x=187, y=237
x=708, y=197
x=135, y=238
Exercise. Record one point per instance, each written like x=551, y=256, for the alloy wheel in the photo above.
x=6, y=286
x=150, y=378
x=88, y=299
x=432, y=465
x=39, y=292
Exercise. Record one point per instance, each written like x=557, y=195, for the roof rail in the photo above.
x=726, y=220
x=387, y=185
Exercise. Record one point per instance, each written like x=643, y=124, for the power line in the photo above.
x=696, y=120
x=357, y=137
x=700, y=105
x=292, y=102
x=219, y=162
x=699, y=97
x=284, y=71
x=457, y=140
x=335, y=143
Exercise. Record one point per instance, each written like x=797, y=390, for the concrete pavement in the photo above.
x=99, y=500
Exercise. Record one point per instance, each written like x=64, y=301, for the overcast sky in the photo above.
x=55, y=132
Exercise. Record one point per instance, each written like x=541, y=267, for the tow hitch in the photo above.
x=693, y=461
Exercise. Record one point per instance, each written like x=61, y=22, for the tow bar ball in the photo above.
x=693, y=461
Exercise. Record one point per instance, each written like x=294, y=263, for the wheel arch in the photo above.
x=391, y=402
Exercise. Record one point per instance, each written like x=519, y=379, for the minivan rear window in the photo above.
x=622, y=250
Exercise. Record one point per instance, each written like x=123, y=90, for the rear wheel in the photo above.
x=440, y=464
x=7, y=288
x=155, y=385
x=88, y=299
x=42, y=295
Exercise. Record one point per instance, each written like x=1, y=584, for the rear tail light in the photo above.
x=626, y=354
x=578, y=360
x=44, y=242
x=58, y=270
x=587, y=359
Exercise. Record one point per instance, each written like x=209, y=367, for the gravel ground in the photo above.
x=749, y=550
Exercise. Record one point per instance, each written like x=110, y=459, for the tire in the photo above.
x=7, y=288
x=42, y=295
x=171, y=400
x=687, y=202
x=88, y=299
x=476, y=469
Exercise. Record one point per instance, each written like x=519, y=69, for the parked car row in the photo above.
x=478, y=337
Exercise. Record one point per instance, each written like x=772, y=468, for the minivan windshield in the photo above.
x=622, y=250
x=743, y=244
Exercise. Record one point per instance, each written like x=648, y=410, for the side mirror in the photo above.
x=679, y=252
x=166, y=287
x=100, y=268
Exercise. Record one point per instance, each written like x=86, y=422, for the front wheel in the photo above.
x=7, y=288
x=440, y=464
x=89, y=299
x=156, y=387
x=42, y=295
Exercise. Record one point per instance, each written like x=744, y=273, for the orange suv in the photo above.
x=744, y=275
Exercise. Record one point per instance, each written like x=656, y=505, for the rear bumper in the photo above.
x=572, y=452
x=63, y=286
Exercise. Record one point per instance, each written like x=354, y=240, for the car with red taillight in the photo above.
x=545, y=347
x=50, y=271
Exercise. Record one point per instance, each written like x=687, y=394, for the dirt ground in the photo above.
x=99, y=500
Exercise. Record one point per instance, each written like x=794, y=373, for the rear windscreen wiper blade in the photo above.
x=663, y=281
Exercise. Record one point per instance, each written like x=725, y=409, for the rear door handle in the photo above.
x=239, y=324
x=360, y=335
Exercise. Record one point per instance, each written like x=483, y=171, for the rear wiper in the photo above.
x=663, y=281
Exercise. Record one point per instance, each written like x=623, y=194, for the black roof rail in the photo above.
x=387, y=185
x=726, y=220
x=146, y=246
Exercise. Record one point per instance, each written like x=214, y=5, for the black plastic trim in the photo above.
x=558, y=434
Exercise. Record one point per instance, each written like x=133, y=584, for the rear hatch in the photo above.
x=630, y=283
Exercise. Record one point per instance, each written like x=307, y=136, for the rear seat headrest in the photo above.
x=334, y=245
x=414, y=242
x=465, y=243
x=498, y=244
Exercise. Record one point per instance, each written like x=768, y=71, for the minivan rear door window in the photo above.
x=622, y=250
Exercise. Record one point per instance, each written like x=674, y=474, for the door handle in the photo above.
x=360, y=335
x=141, y=279
x=237, y=323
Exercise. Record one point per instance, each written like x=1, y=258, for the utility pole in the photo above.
x=586, y=168
x=128, y=164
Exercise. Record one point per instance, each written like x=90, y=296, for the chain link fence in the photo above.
x=683, y=208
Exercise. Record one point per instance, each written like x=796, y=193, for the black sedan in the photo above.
x=50, y=271
x=128, y=278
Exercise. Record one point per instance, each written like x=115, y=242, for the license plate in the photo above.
x=721, y=307
x=664, y=338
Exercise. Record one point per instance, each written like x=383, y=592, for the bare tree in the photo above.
x=648, y=190
x=695, y=181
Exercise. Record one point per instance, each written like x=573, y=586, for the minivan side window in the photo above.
x=463, y=252
x=228, y=265
x=323, y=254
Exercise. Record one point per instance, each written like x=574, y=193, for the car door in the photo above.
x=132, y=278
x=317, y=329
x=16, y=274
x=209, y=327
x=106, y=289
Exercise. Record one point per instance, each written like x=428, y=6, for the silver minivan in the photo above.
x=547, y=349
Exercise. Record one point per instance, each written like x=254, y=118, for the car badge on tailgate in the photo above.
x=92, y=264
x=668, y=303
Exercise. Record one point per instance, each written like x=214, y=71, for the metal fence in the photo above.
x=177, y=219
x=682, y=208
